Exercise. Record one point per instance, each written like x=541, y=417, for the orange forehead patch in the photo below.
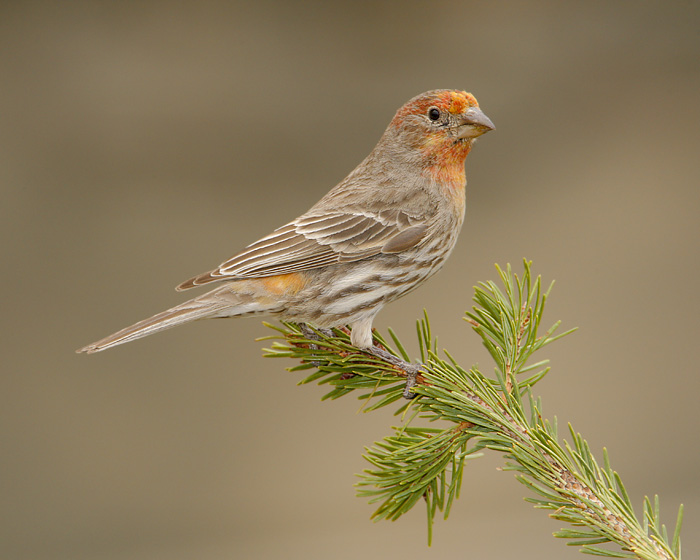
x=460, y=101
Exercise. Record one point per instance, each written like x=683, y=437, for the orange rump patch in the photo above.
x=284, y=283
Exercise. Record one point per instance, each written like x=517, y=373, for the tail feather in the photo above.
x=218, y=303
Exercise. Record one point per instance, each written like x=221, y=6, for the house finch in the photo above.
x=377, y=235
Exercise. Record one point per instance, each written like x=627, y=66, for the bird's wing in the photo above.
x=317, y=240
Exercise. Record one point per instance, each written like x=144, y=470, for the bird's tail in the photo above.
x=221, y=302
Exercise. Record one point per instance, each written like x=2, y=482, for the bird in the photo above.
x=374, y=237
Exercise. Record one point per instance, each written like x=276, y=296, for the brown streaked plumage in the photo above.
x=380, y=233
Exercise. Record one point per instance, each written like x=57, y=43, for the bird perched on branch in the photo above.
x=380, y=233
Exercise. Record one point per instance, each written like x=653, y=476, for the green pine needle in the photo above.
x=475, y=413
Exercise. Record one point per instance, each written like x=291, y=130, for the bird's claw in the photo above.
x=309, y=333
x=411, y=381
x=412, y=370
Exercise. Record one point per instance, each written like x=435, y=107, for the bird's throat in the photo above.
x=445, y=166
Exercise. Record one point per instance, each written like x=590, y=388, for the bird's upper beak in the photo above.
x=474, y=123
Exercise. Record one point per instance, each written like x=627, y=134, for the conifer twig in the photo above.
x=479, y=413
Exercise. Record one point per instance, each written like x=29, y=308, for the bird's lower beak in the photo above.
x=475, y=123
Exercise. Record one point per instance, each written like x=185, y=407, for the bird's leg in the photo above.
x=361, y=337
x=412, y=370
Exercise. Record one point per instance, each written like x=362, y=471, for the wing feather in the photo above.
x=318, y=240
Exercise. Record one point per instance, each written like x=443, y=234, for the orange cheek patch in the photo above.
x=284, y=283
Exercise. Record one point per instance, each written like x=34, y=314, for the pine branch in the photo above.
x=480, y=413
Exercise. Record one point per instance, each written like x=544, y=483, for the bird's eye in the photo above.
x=433, y=113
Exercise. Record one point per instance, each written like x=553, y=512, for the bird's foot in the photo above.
x=412, y=370
x=311, y=334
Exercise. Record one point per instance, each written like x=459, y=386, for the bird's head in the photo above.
x=440, y=123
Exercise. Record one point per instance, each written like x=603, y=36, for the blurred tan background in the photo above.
x=143, y=143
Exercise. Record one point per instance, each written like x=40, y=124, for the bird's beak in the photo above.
x=474, y=123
